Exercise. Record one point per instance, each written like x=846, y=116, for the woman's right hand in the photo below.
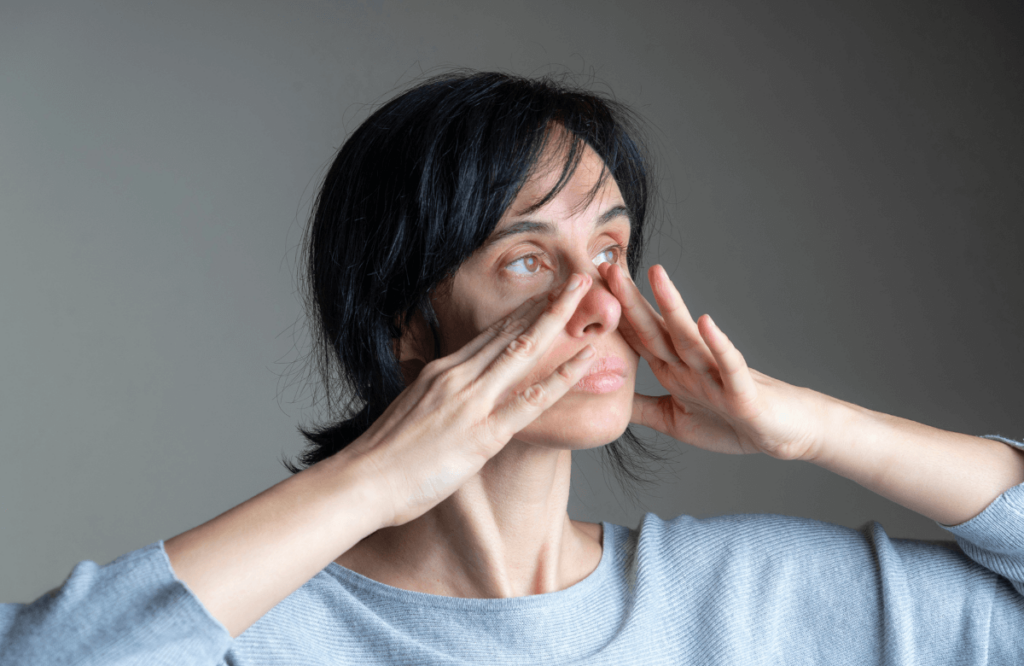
x=463, y=408
x=460, y=411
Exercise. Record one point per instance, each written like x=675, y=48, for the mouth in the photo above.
x=606, y=375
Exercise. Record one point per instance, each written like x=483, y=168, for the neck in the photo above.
x=505, y=533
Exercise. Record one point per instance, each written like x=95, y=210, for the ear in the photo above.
x=415, y=348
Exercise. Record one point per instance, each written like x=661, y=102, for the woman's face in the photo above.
x=535, y=253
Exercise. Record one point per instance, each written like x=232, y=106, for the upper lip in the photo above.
x=609, y=365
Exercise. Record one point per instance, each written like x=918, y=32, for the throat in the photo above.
x=485, y=543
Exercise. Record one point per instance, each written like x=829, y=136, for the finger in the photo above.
x=649, y=411
x=736, y=378
x=497, y=334
x=478, y=353
x=508, y=326
x=633, y=340
x=648, y=324
x=520, y=355
x=682, y=329
x=524, y=407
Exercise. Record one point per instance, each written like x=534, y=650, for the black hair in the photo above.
x=412, y=193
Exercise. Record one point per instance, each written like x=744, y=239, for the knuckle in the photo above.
x=646, y=333
x=517, y=325
x=496, y=432
x=503, y=324
x=522, y=345
x=564, y=373
x=560, y=309
x=432, y=369
x=472, y=395
x=448, y=380
x=512, y=325
x=534, y=396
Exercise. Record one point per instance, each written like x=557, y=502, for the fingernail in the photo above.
x=575, y=281
x=587, y=352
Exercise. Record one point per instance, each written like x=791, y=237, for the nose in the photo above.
x=598, y=311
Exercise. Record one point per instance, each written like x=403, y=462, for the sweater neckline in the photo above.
x=362, y=586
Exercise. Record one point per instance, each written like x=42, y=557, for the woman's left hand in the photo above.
x=715, y=401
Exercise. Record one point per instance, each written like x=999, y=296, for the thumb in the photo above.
x=648, y=410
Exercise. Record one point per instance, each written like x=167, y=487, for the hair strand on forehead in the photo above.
x=417, y=188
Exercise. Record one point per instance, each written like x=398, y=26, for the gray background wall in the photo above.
x=843, y=186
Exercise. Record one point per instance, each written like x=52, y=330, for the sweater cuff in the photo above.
x=191, y=606
x=1003, y=513
x=995, y=537
x=133, y=610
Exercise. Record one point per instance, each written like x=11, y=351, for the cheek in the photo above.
x=459, y=327
x=582, y=420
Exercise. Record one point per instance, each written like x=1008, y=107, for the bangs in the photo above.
x=558, y=142
x=416, y=189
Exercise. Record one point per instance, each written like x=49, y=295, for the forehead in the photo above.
x=590, y=184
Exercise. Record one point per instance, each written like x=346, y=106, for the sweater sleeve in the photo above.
x=765, y=589
x=995, y=537
x=937, y=607
x=131, y=611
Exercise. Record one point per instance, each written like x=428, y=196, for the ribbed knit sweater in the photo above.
x=749, y=589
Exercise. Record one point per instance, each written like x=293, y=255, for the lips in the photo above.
x=605, y=375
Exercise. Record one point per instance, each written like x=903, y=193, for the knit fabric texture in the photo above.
x=747, y=589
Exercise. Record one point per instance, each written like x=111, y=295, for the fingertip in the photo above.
x=715, y=337
x=660, y=284
x=575, y=281
x=706, y=326
x=609, y=275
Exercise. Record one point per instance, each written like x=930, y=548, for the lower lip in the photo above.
x=603, y=382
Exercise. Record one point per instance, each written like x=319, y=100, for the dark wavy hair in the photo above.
x=412, y=193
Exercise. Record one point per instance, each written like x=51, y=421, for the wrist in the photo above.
x=841, y=426
x=358, y=489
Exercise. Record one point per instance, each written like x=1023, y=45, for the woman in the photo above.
x=470, y=266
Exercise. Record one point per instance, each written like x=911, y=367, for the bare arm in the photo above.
x=246, y=560
x=436, y=435
x=943, y=475
x=716, y=402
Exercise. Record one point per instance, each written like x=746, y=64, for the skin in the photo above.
x=461, y=487
x=506, y=531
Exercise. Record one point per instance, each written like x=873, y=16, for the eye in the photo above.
x=609, y=255
x=526, y=265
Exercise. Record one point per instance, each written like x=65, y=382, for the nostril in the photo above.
x=597, y=313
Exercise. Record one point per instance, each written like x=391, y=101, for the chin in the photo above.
x=581, y=421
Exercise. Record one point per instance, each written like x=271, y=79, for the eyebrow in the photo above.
x=527, y=226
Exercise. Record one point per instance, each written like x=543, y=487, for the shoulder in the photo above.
x=762, y=544
x=736, y=530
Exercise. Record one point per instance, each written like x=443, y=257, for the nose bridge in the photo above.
x=598, y=311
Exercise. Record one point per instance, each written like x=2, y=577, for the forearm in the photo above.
x=246, y=560
x=945, y=476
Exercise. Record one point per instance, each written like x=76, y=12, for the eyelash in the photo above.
x=618, y=249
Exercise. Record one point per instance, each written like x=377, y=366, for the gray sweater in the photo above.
x=752, y=589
